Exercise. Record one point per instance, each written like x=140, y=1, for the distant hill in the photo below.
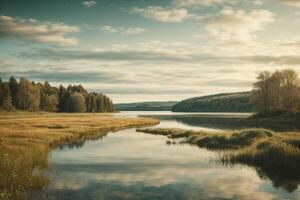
x=226, y=102
x=146, y=106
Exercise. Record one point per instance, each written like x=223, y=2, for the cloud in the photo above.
x=109, y=29
x=238, y=26
x=89, y=3
x=46, y=32
x=123, y=31
x=162, y=14
x=258, y=2
x=156, y=52
x=187, y=3
x=211, y=3
x=69, y=76
x=291, y=2
x=4, y=64
x=277, y=60
x=104, y=55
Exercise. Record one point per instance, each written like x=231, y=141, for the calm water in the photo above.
x=131, y=165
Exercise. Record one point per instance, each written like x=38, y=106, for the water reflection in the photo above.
x=78, y=143
x=285, y=178
x=221, y=122
x=130, y=165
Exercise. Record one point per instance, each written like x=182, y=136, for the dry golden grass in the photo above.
x=275, y=156
x=258, y=147
x=27, y=138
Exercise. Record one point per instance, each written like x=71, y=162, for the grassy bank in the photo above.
x=27, y=138
x=258, y=147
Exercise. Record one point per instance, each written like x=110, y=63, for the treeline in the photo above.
x=277, y=93
x=27, y=95
x=146, y=106
x=227, y=102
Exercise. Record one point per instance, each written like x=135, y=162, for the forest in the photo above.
x=273, y=94
x=227, y=102
x=146, y=106
x=27, y=95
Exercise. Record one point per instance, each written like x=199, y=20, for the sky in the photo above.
x=149, y=50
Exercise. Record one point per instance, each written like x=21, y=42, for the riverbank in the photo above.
x=275, y=117
x=256, y=147
x=26, y=139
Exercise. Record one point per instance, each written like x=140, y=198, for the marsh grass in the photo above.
x=27, y=138
x=258, y=147
x=275, y=156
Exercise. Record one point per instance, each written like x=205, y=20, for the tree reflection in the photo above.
x=23, y=170
x=228, y=122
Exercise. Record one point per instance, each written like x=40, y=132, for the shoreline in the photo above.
x=254, y=147
x=26, y=139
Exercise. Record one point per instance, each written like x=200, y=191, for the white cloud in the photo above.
x=258, y=2
x=47, y=32
x=200, y=36
x=238, y=26
x=89, y=3
x=123, y=31
x=186, y=3
x=134, y=30
x=162, y=14
x=109, y=29
x=291, y=2
x=209, y=3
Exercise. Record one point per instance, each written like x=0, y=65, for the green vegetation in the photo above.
x=145, y=106
x=258, y=147
x=26, y=139
x=227, y=102
x=30, y=96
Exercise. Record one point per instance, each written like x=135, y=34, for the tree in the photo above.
x=13, y=86
x=32, y=96
x=62, y=100
x=28, y=95
x=49, y=97
x=5, y=97
x=76, y=103
x=277, y=92
x=91, y=103
x=50, y=103
x=290, y=87
x=261, y=92
x=1, y=92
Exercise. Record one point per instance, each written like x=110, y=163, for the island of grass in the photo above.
x=257, y=147
x=26, y=139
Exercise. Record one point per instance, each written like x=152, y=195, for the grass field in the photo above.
x=27, y=138
x=258, y=147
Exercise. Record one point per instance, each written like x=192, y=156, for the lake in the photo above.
x=131, y=165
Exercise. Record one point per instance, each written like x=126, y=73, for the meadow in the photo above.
x=26, y=139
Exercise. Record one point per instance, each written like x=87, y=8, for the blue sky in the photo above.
x=146, y=50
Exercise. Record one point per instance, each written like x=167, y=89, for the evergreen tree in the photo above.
x=5, y=97
x=62, y=104
x=13, y=86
